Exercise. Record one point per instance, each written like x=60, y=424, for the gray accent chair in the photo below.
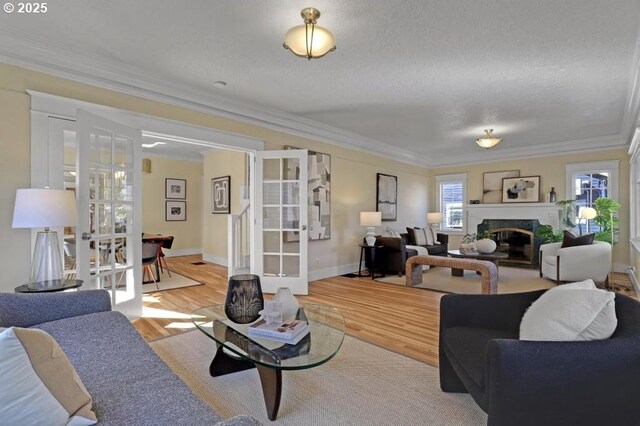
x=129, y=383
x=532, y=383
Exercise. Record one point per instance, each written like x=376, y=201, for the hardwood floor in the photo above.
x=401, y=319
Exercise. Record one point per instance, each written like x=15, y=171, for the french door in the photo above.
x=281, y=220
x=109, y=231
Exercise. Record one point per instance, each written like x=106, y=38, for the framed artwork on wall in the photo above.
x=524, y=189
x=221, y=195
x=175, y=211
x=387, y=196
x=318, y=194
x=492, y=185
x=175, y=189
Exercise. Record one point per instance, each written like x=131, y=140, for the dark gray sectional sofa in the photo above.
x=129, y=383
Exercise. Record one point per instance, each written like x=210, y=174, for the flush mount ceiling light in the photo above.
x=151, y=145
x=309, y=41
x=488, y=141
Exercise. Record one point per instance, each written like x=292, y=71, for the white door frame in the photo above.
x=47, y=161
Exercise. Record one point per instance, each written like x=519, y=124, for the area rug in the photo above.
x=362, y=385
x=511, y=280
x=169, y=283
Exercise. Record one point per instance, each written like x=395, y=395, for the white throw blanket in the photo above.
x=422, y=251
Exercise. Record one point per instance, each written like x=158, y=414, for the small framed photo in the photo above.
x=524, y=189
x=176, y=211
x=221, y=195
x=175, y=189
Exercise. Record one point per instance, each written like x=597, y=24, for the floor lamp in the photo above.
x=586, y=213
x=45, y=208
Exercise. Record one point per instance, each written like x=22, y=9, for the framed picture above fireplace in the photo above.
x=492, y=185
x=523, y=189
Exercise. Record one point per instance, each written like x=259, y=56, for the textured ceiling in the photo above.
x=423, y=76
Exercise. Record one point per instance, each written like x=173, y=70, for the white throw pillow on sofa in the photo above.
x=569, y=312
x=39, y=385
x=421, y=237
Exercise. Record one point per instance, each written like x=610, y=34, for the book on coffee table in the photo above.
x=290, y=332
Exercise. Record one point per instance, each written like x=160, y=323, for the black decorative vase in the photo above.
x=244, y=298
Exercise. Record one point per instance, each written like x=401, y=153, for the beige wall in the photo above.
x=217, y=164
x=15, y=246
x=188, y=234
x=552, y=174
x=353, y=173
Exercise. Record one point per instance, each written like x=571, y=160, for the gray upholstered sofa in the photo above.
x=129, y=383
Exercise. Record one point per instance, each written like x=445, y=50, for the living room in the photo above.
x=558, y=86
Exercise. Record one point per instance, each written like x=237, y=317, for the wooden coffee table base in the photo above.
x=488, y=270
x=270, y=378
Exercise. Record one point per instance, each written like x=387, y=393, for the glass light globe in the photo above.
x=320, y=41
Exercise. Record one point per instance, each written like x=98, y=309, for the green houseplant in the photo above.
x=605, y=220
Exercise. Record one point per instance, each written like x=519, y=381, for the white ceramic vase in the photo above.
x=486, y=245
x=289, y=303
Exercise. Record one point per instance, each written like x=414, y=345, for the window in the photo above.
x=586, y=182
x=451, y=195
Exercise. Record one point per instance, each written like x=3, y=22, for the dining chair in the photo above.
x=149, y=258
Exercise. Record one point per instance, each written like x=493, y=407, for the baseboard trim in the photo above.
x=182, y=252
x=620, y=267
x=319, y=274
x=631, y=272
x=222, y=261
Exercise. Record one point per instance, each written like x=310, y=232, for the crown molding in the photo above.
x=556, y=148
x=57, y=60
x=65, y=62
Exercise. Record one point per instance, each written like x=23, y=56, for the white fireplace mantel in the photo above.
x=545, y=213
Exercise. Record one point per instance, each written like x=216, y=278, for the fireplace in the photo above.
x=516, y=237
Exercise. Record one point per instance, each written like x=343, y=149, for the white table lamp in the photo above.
x=370, y=220
x=45, y=208
x=434, y=218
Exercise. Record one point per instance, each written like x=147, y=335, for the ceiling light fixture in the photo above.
x=488, y=141
x=151, y=145
x=309, y=41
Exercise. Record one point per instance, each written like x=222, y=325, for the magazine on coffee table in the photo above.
x=290, y=332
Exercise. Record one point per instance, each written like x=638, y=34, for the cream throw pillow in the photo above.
x=569, y=312
x=421, y=237
x=39, y=385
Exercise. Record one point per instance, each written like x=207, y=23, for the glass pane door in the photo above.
x=281, y=225
x=109, y=234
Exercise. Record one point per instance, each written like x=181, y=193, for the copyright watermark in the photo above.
x=26, y=8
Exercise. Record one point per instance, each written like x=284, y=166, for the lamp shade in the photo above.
x=370, y=218
x=44, y=208
x=434, y=217
x=588, y=213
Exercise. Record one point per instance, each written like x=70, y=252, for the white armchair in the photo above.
x=576, y=263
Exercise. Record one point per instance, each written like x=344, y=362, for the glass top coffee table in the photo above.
x=237, y=352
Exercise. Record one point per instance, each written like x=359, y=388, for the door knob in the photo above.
x=86, y=236
x=304, y=227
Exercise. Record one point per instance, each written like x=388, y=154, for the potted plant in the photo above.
x=484, y=243
x=605, y=220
